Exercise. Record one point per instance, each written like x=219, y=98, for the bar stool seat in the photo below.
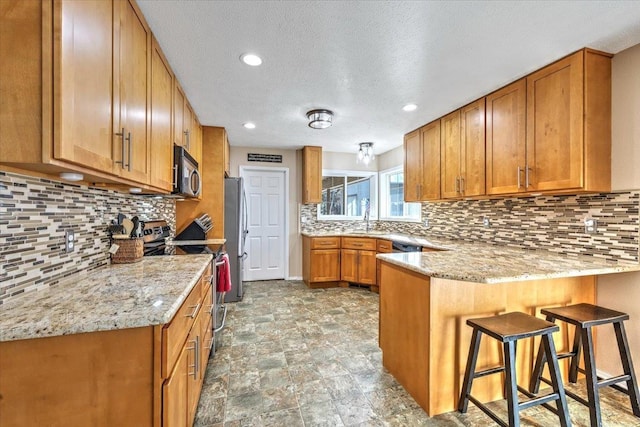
x=508, y=329
x=584, y=317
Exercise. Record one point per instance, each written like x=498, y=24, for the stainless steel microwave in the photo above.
x=186, y=177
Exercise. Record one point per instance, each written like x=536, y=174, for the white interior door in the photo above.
x=265, y=244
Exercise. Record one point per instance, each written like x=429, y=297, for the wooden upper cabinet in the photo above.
x=82, y=79
x=430, y=142
x=161, y=147
x=472, y=142
x=226, y=156
x=422, y=163
x=195, y=139
x=178, y=115
x=569, y=124
x=506, y=135
x=187, y=123
x=462, y=152
x=450, y=155
x=311, y=174
x=132, y=92
x=412, y=166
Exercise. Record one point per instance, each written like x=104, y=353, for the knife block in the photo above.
x=129, y=251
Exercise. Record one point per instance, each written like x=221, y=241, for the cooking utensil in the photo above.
x=128, y=226
x=115, y=229
x=136, y=224
x=120, y=218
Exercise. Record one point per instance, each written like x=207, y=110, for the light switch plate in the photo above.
x=69, y=241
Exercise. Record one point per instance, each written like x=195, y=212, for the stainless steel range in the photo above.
x=154, y=236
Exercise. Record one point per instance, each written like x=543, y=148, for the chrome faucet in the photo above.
x=366, y=217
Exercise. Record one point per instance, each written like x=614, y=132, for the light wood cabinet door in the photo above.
x=178, y=115
x=506, y=139
x=472, y=150
x=450, y=155
x=311, y=174
x=349, y=265
x=430, y=158
x=227, y=156
x=367, y=267
x=555, y=125
x=187, y=123
x=175, y=394
x=412, y=166
x=83, y=78
x=325, y=265
x=195, y=139
x=131, y=92
x=161, y=147
x=193, y=346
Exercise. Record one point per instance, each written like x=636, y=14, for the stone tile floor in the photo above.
x=291, y=356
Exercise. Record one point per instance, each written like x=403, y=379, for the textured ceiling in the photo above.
x=366, y=59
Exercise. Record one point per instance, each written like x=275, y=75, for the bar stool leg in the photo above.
x=592, y=378
x=511, y=386
x=627, y=365
x=534, y=383
x=474, y=347
x=575, y=359
x=556, y=380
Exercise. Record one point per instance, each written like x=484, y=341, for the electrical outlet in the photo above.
x=426, y=222
x=486, y=222
x=590, y=225
x=69, y=241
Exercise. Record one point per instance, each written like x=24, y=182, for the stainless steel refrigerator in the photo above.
x=235, y=231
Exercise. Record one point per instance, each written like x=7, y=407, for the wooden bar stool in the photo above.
x=584, y=317
x=508, y=329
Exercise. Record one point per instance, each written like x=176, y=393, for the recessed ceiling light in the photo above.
x=249, y=125
x=251, y=59
x=410, y=107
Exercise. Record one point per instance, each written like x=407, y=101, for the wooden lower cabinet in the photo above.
x=124, y=377
x=320, y=261
x=358, y=260
x=174, y=394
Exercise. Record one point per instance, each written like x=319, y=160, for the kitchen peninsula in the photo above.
x=426, y=298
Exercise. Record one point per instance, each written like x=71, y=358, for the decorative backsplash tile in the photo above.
x=555, y=223
x=36, y=212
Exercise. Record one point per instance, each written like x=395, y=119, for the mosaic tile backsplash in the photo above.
x=34, y=215
x=555, y=223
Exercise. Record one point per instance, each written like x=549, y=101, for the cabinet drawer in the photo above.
x=325, y=242
x=363, y=243
x=175, y=333
x=384, y=246
x=205, y=281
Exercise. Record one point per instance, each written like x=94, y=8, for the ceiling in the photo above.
x=364, y=60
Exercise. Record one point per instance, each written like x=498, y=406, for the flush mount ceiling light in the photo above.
x=71, y=176
x=249, y=125
x=365, y=153
x=251, y=59
x=409, y=107
x=320, y=119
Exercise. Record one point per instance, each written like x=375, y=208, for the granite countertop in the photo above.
x=486, y=263
x=119, y=296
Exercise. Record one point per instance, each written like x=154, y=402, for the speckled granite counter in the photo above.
x=485, y=263
x=116, y=297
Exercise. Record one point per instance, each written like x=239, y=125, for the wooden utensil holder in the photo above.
x=129, y=251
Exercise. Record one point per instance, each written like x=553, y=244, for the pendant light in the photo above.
x=365, y=153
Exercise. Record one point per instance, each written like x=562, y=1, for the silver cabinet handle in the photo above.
x=526, y=176
x=187, y=135
x=461, y=185
x=195, y=311
x=130, y=151
x=121, y=162
x=195, y=364
x=457, y=184
x=197, y=354
x=519, y=172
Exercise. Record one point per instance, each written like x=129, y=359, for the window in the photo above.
x=392, y=205
x=347, y=195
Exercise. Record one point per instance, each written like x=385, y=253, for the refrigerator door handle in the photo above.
x=243, y=256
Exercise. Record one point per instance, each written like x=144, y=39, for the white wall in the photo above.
x=622, y=291
x=391, y=159
x=346, y=161
x=293, y=161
